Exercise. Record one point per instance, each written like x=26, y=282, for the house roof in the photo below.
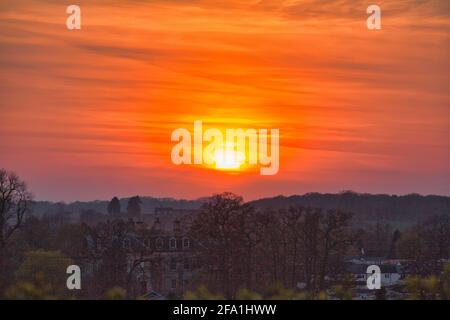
x=362, y=268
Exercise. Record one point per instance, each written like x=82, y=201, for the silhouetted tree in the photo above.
x=395, y=238
x=134, y=206
x=15, y=201
x=304, y=244
x=109, y=249
x=114, y=206
x=336, y=237
x=223, y=228
x=428, y=244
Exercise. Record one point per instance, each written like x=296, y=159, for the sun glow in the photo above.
x=240, y=147
x=228, y=159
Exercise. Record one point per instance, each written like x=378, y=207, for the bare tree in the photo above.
x=15, y=201
x=427, y=244
x=224, y=231
x=304, y=244
x=336, y=238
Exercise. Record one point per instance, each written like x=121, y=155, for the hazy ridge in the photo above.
x=412, y=207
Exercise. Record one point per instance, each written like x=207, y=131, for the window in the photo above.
x=173, y=264
x=186, y=243
x=159, y=243
x=176, y=226
x=147, y=243
x=186, y=264
x=126, y=243
x=173, y=284
x=173, y=243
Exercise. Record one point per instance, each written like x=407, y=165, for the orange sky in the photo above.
x=88, y=114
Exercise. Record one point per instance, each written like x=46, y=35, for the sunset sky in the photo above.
x=88, y=114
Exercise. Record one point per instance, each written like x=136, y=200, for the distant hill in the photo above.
x=412, y=207
x=148, y=205
x=408, y=208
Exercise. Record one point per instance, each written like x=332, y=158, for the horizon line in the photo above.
x=256, y=199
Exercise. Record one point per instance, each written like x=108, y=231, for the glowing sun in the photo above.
x=228, y=159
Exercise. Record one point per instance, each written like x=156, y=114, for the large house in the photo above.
x=169, y=262
x=160, y=255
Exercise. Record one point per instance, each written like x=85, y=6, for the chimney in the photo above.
x=157, y=225
x=176, y=226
